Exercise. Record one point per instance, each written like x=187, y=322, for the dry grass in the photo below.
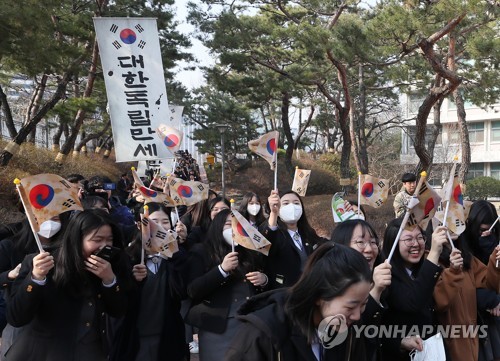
x=32, y=160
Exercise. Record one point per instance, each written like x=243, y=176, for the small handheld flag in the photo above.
x=267, y=147
x=187, y=192
x=171, y=138
x=300, y=181
x=151, y=195
x=373, y=191
x=248, y=236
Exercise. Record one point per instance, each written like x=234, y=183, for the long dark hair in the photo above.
x=481, y=212
x=217, y=248
x=305, y=229
x=259, y=218
x=398, y=265
x=329, y=272
x=343, y=234
x=69, y=270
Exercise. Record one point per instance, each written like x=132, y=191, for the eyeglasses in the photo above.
x=362, y=244
x=410, y=241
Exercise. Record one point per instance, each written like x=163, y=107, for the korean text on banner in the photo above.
x=135, y=85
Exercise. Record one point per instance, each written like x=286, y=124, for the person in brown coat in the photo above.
x=455, y=295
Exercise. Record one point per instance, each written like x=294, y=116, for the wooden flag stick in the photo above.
x=29, y=214
x=413, y=202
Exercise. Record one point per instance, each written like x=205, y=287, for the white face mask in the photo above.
x=228, y=236
x=291, y=213
x=253, y=209
x=49, y=228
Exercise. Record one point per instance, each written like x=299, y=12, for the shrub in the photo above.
x=482, y=188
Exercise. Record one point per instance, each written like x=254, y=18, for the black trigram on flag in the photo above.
x=68, y=203
x=116, y=44
x=139, y=28
x=113, y=28
x=141, y=44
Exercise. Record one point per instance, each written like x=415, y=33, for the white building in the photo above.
x=484, y=135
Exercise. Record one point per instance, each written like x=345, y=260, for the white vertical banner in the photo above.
x=135, y=86
x=163, y=165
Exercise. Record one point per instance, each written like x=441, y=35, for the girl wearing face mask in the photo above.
x=292, y=238
x=218, y=282
x=469, y=290
x=251, y=209
x=150, y=332
x=63, y=297
x=285, y=324
x=410, y=294
x=12, y=252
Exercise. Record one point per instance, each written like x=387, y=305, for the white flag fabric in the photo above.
x=300, y=181
x=247, y=235
x=373, y=190
x=187, y=192
x=171, y=137
x=135, y=85
x=267, y=147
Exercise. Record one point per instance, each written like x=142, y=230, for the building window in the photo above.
x=495, y=131
x=495, y=170
x=475, y=170
x=476, y=132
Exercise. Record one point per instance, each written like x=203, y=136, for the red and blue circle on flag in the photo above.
x=41, y=195
x=148, y=192
x=128, y=36
x=457, y=195
x=367, y=190
x=241, y=230
x=185, y=191
x=271, y=146
x=171, y=140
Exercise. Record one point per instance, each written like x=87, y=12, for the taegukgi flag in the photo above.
x=426, y=208
x=267, y=147
x=170, y=137
x=48, y=195
x=151, y=195
x=373, y=190
x=187, y=192
x=452, y=193
x=300, y=181
x=156, y=239
x=248, y=236
x=135, y=85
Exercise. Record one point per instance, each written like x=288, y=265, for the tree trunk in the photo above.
x=285, y=106
x=464, y=136
x=304, y=126
x=9, y=121
x=81, y=113
x=56, y=139
x=35, y=105
x=361, y=124
x=11, y=148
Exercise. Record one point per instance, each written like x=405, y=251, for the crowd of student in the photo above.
x=69, y=303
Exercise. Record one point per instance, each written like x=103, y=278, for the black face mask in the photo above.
x=487, y=244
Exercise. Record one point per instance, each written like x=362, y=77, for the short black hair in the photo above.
x=408, y=177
